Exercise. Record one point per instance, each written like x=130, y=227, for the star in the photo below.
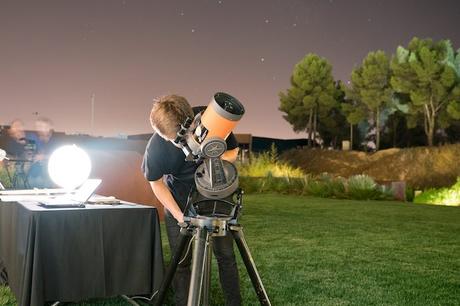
x=267, y=21
x=220, y=2
x=193, y=30
x=369, y=19
x=181, y=13
x=294, y=25
x=262, y=59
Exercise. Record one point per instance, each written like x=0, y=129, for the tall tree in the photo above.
x=370, y=87
x=353, y=110
x=331, y=126
x=311, y=95
x=427, y=73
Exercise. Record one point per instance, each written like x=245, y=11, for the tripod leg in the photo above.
x=184, y=239
x=237, y=233
x=202, y=237
x=207, y=273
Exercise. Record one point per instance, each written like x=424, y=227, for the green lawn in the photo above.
x=312, y=251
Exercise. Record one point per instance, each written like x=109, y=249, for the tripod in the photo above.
x=19, y=178
x=202, y=229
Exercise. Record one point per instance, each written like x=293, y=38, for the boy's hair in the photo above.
x=168, y=113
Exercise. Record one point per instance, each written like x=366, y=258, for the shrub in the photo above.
x=325, y=186
x=363, y=187
x=283, y=185
x=267, y=164
x=265, y=173
x=410, y=193
x=444, y=196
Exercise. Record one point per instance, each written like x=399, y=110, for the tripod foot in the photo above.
x=237, y=233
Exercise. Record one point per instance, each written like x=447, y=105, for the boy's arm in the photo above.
x=163, y=194
x=230, y=155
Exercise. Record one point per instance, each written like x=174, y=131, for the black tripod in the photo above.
x=202, y=229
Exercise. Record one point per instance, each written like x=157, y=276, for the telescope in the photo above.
x=203, y=140
x=212, y=208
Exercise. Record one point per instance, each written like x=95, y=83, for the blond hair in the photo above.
x=168, y=113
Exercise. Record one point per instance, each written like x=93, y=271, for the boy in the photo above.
x=171, y=178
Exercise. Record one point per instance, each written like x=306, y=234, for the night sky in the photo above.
x=55, y=54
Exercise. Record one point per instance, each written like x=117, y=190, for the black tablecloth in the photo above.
x=76, y=254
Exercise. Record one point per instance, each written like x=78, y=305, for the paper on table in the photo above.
x=97, y=199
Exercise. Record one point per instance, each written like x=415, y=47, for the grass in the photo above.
x=313, y=251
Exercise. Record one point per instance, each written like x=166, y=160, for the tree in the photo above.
x=370, y=90
x=353, y=110
x=331, y=126
x=428, y=73
x=311, y=95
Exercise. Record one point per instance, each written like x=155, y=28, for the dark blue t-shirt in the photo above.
x=163, y=158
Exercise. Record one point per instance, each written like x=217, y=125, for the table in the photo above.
x=73, y=254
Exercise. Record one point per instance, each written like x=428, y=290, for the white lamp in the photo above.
x=69, y=166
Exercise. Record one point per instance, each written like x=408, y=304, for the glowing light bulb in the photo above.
x=69, y=166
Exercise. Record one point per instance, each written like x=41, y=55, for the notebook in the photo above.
x=77, y=199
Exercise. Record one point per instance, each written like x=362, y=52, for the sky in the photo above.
x=56, y=55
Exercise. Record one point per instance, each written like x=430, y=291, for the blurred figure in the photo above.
x=14, y=143
x=38, y=174
x=15, y=140
x=44, y=130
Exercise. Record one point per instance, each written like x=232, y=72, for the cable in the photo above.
x=156, y=292
x=143, y=297
x=186, y=253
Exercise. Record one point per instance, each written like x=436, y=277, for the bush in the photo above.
x=267, y=164
x=325, y=186
x=445, y=196
x=265, y=173
x=410, y=193
x=283, y=185
x=363, y=187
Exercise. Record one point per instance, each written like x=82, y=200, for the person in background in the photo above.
x=15, y=140
x=14, y=143
x=43, y=142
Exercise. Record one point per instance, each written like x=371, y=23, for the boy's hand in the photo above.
x=180, y=218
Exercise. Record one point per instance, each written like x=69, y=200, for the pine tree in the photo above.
x=427, y=73
x=311, y=95
x=353, y=110
x=370, y=90
x=331, y=126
